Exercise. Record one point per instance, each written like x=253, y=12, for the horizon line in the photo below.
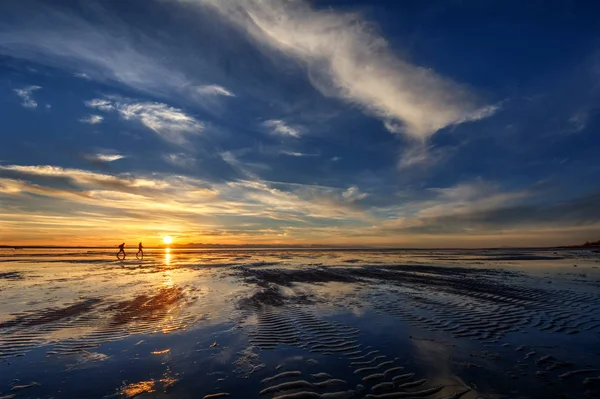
x=296, y=246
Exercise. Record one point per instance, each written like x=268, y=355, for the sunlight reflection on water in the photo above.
x=168, y=256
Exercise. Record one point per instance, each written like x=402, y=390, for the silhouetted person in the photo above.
x=121, y=250
x=140, y=250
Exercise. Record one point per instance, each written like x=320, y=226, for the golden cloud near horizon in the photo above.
x=49, y=205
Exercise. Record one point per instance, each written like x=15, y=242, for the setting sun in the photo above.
x=167, y=240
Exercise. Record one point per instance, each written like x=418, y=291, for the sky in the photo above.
x=406, y=124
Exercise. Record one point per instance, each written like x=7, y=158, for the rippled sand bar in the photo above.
x=294, y=324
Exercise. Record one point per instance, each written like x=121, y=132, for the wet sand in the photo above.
x=300, y=324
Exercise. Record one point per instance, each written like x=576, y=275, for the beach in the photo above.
x=300, y=323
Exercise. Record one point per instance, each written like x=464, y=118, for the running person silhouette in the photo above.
x=140, y=250
x=121, y=250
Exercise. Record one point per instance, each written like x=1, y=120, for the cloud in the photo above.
x=99, y=45
x=168, y=122
x=574, y=212
x=249, y=169
x=100, y=104
x=345, y=57
x=353, y=194
x=172, y=124
x=229, y=158
x=420, y=154
x=73, y=198
x=414, y=155
x=467, y=207
x=92, y=119
x=298, y=202
x=103, y=157
x=181, y=160
x=76, y=176
x=214, y=90
x=97, y=50
x=466, y=197
x=297, y=154
x=82, y=75
x=579, y=121
x=26, y=95
x=427, y=210
x=43, y=201
x=279, y=127
x=480, y=213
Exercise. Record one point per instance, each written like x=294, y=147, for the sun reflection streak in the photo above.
x=168, y=256
x=131, y=390
x=168, y=283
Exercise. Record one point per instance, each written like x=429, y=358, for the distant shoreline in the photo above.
x=303, y=247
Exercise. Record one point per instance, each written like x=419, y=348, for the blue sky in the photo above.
x=450, y=123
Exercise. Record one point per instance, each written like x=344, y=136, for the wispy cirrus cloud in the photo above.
x=79, y=177
x=467, y=197
x=181, y=160
x=346, y=58
x=61, y=38
x=249, y=169
x=421, y=154
x=170, y=123
x=82, y=75
x=281, y=128
x=214, y=90
x=298, y=154
x=92, y=119
x=100, y=45
x=26, y=95
x=353, y=194
x=579, y=121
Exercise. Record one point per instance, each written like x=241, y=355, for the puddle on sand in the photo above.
x=300, y=324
